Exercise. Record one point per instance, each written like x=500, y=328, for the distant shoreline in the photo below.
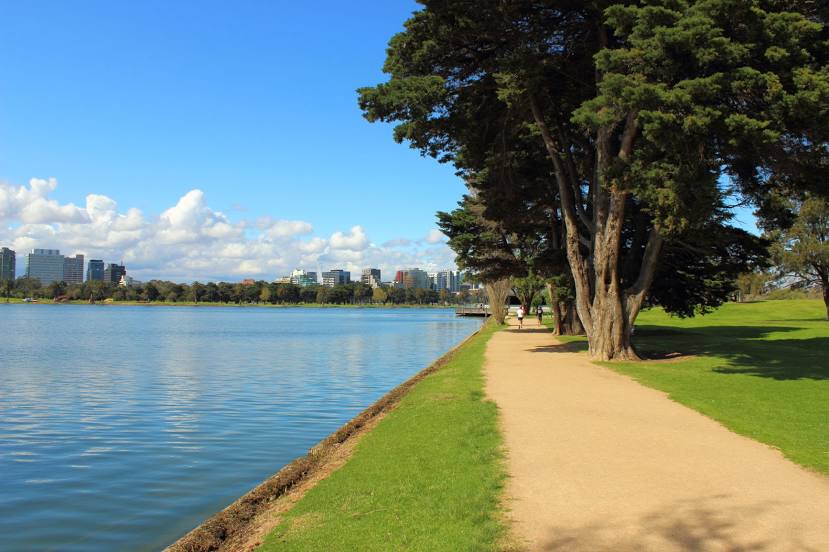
x=17, y=301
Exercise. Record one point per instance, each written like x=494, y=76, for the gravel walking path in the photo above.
x=598, y=462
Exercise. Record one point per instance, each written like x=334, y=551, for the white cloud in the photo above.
x=32, y=206
x=435, y=236
x=398, y=242
x=276, y=229
x=355, y=240
x=190, y=241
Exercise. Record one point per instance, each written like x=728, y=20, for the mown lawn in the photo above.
x=428, y=477
x=761, y=369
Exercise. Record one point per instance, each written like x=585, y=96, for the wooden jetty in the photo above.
x=472, y=311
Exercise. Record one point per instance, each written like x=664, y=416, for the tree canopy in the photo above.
x=630, y=125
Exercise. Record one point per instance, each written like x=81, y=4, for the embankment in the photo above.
x=231, y=528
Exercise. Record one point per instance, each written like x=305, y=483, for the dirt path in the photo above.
x=598, y=462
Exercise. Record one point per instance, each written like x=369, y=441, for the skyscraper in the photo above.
x=95, y=270
x=336, y=277
x=371, y=277
x=412, y=278
x=445, y=279
x=302, y=278
x=113, y=273
x=45, y=265
x=7, y=264
x=73, y=269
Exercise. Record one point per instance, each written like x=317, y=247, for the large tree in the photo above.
x=802, y=250
x=640, y=110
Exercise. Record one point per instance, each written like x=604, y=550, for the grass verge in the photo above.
x=428, y=477
x=761, y=369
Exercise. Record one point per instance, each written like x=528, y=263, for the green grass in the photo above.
x=428, y=477
x=761, y=369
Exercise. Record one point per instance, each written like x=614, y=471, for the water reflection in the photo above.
x=122, y=428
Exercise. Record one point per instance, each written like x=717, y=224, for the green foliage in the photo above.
x=803, y=248
x=427, y=477
x=259, y=292
x=549, y=109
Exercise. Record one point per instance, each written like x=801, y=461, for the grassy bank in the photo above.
x=428, y=477
x=761, y=369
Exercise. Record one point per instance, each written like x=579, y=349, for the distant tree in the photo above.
x=265, y=294
x=526, y=289
x=120, y=293
x=211, y=292
x=308, y=294
x=151, y=291
x=754, y=283
x=197, y=292
x=443, y=296
x=397, y=295
x=379, y=295
x=55, y=289
x=802, y=250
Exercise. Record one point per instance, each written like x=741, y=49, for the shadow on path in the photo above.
x=704, y=523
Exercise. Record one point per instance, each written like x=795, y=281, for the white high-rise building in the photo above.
x=371, y=277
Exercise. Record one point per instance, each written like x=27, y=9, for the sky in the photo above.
x=211, y=140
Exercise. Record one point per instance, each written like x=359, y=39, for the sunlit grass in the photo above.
x=428, y=477
x=761, y=369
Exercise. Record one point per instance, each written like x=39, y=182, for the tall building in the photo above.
x=73, y=269
x=45, y=265
x=113, y=273
x=371, y=277
x=304, y=279
x=412, y=278
x=95, y=270
x=336, y=277
x=445, y=279
x=7, y=264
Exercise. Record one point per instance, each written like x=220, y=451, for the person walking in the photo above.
x=520, y=314
x=539, y=312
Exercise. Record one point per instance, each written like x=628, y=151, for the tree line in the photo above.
x=605, y=144
x=260, y=292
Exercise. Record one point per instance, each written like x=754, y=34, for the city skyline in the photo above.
x=49, y=265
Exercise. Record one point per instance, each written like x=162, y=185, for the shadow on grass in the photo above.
x=747, y=349
x=705, y=523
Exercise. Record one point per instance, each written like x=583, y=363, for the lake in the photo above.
x=122, y=428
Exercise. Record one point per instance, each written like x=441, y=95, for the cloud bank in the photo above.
x=191, y=241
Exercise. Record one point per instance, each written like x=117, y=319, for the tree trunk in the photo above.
x=558, y=321
x=497, y=293
x=824, y=281
x=594, y=246
x=571, y=324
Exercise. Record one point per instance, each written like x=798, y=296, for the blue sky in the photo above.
x=252, y=103
x=210, y=139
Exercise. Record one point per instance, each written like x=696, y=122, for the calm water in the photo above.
x=121, y=428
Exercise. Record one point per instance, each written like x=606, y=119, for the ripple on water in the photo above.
x=135, y=424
